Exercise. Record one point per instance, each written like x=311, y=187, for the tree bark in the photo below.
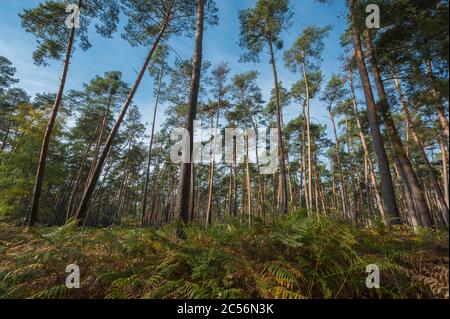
x=444, y=170
x=282, y=185
x=342, y=189
x=387, y=187
x=371, y=170
x=399, y=151
x=443, y=209
x=440, y=110
x=182, y=208
x=37, y=190
x=308, y=132
x=149, y=155
x=82, y=208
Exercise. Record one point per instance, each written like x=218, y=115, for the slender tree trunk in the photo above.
x=371, y=170
x=308, y=131
x=410, y=207
x=282, y=200
x=82, y=209
x=77, y=182
x=444, y=170
x=193, y=204
x=399, y=151
x=230, y=191
x=100, y=137
x=182, y=208
x=248, y=182
x=149, y=155
x=234, y=180
x=354, y=207
x=213, y=162
x=34, y=208
x=440, y=110
x=387, y=187
x=342, y=189
x=302, y=169
x=443, y=209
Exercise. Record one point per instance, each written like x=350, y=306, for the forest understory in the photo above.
x=296, y=257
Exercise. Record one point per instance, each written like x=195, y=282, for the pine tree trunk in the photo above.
x=371, y=170
x=77, y=182
x=149, y=155
x=443, y=209
x=248, y=182
x=399, y=151
x=100, y=137
x=308, y=131
x=441, y=114
x=182, y=208
x=212, y=163
x=282, y=185
x=444, y=170
x=34, y=208
x=387, y=187
x=82, y=208
x=342, y=189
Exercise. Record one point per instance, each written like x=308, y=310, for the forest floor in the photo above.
x=296, y=257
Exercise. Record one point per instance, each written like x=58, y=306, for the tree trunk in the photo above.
x=387, y=187
x=282, y=200
x=213, y=162
x=339, y=166
x=82, y=209
x=33, y=212
x=77, y=182
x=399, y=151
x=444, y=170
x=149, y=155
x=248, y=182
x=443, y=209
x=441, y=114
x=182, y=208
x=308, y=132
x=371, y=170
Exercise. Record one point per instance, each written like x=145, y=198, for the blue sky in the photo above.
x=220, y=44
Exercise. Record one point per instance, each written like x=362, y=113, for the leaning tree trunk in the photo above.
x=149, y=155
x=33, y=212
x=443, y=120
x=443, y=209
x=399, y=151
x=77, y=183
x=82, y=208
x=100, y=136
x=184, y=194
x=387, y=187
x=282, y=199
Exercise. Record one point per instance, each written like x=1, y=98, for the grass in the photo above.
x=296, y=257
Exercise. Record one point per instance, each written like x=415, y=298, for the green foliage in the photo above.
x=263, y=25
x=48, y=23
x=293, y=258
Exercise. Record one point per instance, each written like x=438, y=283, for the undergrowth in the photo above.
x=295, y=257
